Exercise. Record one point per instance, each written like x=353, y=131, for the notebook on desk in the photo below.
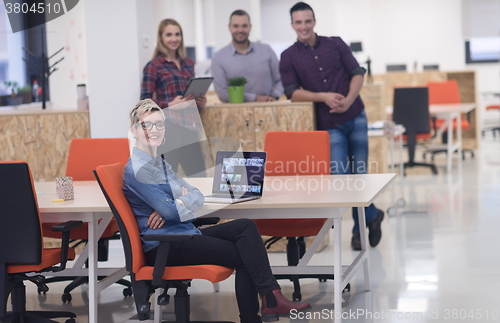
x=238, y=177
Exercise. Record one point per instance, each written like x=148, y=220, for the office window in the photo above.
x=12, y=67
x=191, y=52
x=482, y=50
x=396, y=68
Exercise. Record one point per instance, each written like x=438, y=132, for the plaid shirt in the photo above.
x=163, y=81
x=326, y=67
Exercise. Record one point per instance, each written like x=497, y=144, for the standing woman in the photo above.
x=165, y=79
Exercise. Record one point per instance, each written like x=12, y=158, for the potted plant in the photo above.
x=14, y=99
x=25, y=93
x=236, y=89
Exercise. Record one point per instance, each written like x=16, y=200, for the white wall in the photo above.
x=276, y=23
x=391, y=31
x=67, y=31
x=113, y=60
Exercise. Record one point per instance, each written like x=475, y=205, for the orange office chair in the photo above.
x=446, y=92
x=287, y=153
x=21, y=245
x=85, y=154
x=145, y=279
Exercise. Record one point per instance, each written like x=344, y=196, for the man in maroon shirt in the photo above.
x=323, y=70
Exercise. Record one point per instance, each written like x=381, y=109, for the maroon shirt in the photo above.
x=326, y=67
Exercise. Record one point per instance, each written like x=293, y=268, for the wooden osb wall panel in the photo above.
x=377, y=155
x=281, y=118
x=296, y=118
x=392, y=80
x=55, y=132
x=373, y=96
x=227, y=127
x=467, y=86
x=18, y=140
x=264, y=119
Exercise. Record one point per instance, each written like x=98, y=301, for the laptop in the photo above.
x=238, y=177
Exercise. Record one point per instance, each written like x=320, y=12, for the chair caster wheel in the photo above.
x=66, y=298
x=127, y=292
x=163, y=299
x=347, y=288
x=70, y=321
x=42, y=290
x=401, y=202
x=297, y=297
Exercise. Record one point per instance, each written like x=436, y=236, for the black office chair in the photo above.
x=411, y=109
x=21, y=246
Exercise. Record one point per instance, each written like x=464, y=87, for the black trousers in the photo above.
x=236, y=244
x=183, y=147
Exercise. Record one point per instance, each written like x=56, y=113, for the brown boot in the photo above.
x=283, y=308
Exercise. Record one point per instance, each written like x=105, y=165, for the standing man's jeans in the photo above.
x=349, y=155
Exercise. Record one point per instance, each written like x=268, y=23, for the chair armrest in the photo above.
x=65, y=228
x=168, y=237
x=162, y=253
x=206, y=221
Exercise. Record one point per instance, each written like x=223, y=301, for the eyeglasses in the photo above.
x=160, y=125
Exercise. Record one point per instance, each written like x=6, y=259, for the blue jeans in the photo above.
x=349, y=155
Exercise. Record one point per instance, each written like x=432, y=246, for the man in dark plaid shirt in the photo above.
x=323, y=70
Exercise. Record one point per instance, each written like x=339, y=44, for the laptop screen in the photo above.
x=241, y=173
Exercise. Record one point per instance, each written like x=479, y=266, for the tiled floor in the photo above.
x=441, y=265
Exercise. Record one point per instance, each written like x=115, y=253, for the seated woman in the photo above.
x=165, y=204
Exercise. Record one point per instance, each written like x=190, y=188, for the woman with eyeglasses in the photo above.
x=163, y=203
x=165, y=78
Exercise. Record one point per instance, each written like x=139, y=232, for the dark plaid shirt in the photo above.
x=162, y=81
x=326, y=67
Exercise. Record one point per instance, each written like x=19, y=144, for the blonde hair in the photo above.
x=160, y=48
x=143, y=106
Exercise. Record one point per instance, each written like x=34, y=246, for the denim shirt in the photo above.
x=150, y=184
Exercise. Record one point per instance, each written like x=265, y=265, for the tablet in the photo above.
x=198, y=86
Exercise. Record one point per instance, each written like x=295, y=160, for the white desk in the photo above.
x=448, y=112
x=287, y=197
x=327, y=196
x=89, y=206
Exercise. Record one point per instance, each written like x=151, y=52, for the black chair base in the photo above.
x=414, y=164
x=80, y=280
x=37, y=317
x=433, y=152
x=144, y=289
x=295, y=250
x=19, y=313
x=493, y=130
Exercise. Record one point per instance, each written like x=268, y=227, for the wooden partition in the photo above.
x=42, y=138
x=248, y=122
x=467, y=85
x=373, y=96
